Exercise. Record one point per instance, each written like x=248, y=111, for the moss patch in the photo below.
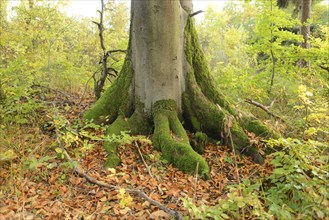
x=136, y=124
x=189, y=114
x=199, y=142
x=171, y=139
x=111, y=147
x=116, y=99
x=242, y=144
x=206, y=107
x=252, y=124
x=198, y=62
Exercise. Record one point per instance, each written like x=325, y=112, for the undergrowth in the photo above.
x=296, y=189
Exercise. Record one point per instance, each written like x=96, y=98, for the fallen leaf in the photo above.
x=160, y=215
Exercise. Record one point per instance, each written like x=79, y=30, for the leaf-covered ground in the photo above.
x=38, y=184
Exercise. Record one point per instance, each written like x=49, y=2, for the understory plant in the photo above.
x=296, y=189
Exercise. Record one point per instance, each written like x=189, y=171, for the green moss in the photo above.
x=174, y=146
x=201, y=137
x=239, y=137
x=254, y=125
x=197, y=60
x=116, y=99
x=189, y=114
x=136, y=124
x=177, y=128
x=210, y=106
x=199, y=142
x=206, y=116
x=242, y=144
x=111, y=147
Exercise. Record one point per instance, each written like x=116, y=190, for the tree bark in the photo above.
x=165, y=82
x=305, y=28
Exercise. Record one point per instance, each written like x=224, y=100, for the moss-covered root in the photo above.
x=212, y=120
x=254, y=125
x=136, y=124
x=111, y=147
x=171, y=139
x=243, y=145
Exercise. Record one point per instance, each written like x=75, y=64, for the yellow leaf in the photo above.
x=125, y=201
x=122, y=191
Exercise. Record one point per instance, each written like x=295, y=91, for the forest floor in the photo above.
x=39, y=184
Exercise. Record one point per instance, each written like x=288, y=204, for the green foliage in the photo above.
x=313, y=112
x=296, y=189
x=40, y=44
x=80, y=137
x=126, y=138
x=244, y=54
x=241, y=199
x=254, y=52
x=298, y=186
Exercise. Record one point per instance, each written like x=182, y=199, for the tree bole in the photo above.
x=165, y=83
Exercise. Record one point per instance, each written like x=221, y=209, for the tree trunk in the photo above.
x=305, y=28
x=165, y=81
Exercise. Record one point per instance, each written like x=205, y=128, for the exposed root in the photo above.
x=207, y=109
x=111, y=147
x=136, y=124
x=171, y=139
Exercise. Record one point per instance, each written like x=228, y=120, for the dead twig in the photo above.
x=68, y=96
x=86, y=86
x=136, y=192
x=229, y=124
x=141, y=156
x=195, y=13
x=109, y=54
x=264, y=108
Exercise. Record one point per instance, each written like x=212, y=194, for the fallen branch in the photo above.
x=55, y=91
x=117, y=50
x=140, y=193
x=265, y=108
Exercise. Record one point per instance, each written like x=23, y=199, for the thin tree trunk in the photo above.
x=305, y=28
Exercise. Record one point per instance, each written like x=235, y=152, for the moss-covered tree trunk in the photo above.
x=165, y=83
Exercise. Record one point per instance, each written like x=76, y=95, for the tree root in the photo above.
x=136, y=124
x=206, y=109
x=111, y=147
x=171, y=139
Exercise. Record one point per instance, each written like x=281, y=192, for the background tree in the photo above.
x=305, y=29
x=165, y=79
x=3, y=30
